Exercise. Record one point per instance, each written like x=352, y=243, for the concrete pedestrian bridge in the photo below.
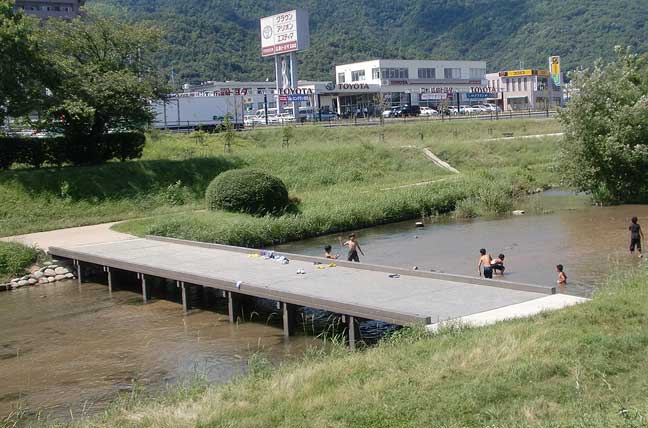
x=357, y=291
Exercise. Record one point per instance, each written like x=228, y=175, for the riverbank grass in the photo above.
x=579, y=367
x=350, y=162
x=15, y=258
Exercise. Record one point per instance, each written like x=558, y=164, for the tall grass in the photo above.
x=15, y=258
x=580, y=367
x=175, y=170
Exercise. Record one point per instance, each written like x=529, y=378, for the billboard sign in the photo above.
x=285, y=32
x=554, y=69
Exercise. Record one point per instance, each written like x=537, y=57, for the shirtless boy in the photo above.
x=354, y=247
x=485, y=260
x=636, y=235
x=562, y=276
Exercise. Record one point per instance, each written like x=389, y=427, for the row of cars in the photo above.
x=412, y=111
x=305, y=114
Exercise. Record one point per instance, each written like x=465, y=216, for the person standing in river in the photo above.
x=354, y=247
x=485, y=260
x=636, y=235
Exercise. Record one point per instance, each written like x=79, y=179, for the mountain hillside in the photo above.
x=219, y=39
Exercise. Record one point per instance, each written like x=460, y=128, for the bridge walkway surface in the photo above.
x=357, y=291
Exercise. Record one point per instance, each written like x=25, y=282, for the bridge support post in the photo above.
x=183, y=290
x=144, y=292
x=109, y=274
x=353, y=331
x=289, y=319
x=233, y=305
x=79, y=271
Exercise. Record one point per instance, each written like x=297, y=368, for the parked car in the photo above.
x=390, y=112
x=452, y=110
x=406, y=111
x=469, y=110
x=492, y=107
x=327, y=115
x=428, y=111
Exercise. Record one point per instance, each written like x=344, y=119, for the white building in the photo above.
x=524, y=89
x=382, y=82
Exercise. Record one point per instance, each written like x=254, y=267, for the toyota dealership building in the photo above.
x=383, y=83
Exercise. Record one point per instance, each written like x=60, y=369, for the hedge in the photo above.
x=37, y=152
x=249, y=191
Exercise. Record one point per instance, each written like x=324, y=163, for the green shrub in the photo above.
x=78, y=150
x=125, y=145
x=248, y=191
x=9, y=149
x=15, y=258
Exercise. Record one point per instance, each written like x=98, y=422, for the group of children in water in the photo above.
x=487, y=264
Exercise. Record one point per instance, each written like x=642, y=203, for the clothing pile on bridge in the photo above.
x=270, y=255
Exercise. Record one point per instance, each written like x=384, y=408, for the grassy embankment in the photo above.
x=14, y=259
x=338, y=174
x=580, y=367
x=355, y=181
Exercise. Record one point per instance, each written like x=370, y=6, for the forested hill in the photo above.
x=219, y=39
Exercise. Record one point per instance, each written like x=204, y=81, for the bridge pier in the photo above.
x=233, y=305
x=353, y=331
x=142, y=277
x=79, y=271
x=183, y=290
x=289, y=319
x=109, y=275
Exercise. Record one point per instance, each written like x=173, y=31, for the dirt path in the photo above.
x=73, y=236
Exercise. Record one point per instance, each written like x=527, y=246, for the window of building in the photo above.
x=394, y=73
x=477, y=73
x=375, y=73
x=341, y=78
x=519, y=83
x=427, y=73
x=525, y=83
x=357, y=75
x=452, y=73
x=508, y=85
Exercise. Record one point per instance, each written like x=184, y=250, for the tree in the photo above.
x=605, y=149
x=23, y=68
x=105, y=79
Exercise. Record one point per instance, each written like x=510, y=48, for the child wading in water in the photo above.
x=636, y=235
x=328, y=254
x=354, y=247
x=562, y=276
x=485, y=260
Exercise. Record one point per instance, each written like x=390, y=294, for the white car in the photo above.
x=428, y=111
x=469, y=110
x=491, y=107
x=389, y=112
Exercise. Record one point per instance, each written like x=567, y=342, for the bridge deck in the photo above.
x=357, y=290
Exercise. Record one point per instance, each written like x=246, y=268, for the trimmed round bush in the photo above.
x=246, y=190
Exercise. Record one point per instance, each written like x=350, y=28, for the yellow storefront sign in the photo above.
x=516, y=73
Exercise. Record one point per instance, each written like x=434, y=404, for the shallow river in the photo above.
x=67, y=349
x=589, y=241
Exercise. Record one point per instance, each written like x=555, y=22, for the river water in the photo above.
x=589, y=241
x=68, y=349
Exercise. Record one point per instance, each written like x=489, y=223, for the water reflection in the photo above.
x=67, y=348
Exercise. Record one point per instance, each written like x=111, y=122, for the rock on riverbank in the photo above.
x=51, y=271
